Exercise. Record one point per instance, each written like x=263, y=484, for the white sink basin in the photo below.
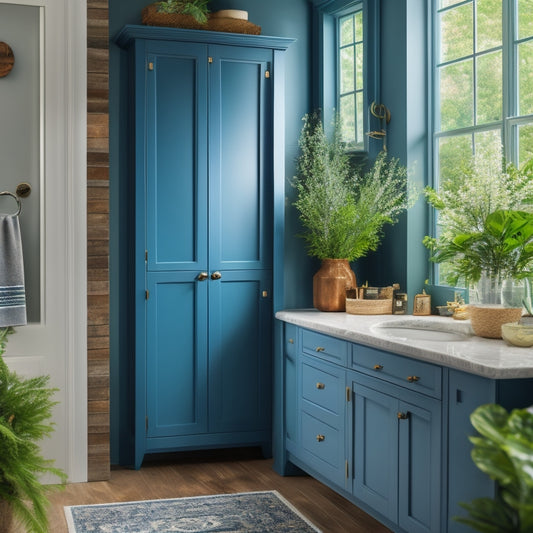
x=421, y=330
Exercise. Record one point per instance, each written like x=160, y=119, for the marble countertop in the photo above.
x=490, y=358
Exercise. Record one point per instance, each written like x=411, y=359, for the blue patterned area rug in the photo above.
x=258, y=512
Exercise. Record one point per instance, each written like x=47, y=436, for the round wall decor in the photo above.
x=7, y=59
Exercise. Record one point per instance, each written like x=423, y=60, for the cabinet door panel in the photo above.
x=240, y=326
x=419, y=467
x=465, y=481
x=176, y=155
x=291, y=383
x=239, y=171
x=176, y=354
x=375, y=428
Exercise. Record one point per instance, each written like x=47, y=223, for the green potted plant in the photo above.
x=25, y=411
x=191, y=14
x=474, y=243
x=195, y=8
x=504, y=451
x=342, y=210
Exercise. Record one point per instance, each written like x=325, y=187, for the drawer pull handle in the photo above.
x=412, y=379
x=320, y=438
x=320, y=349
x=320, y=386
x=403, y=416
x=378, y=367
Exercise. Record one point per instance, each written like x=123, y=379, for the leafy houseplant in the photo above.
x=344, y=211
x=25, y=410
x=195, y=8
x=466, y=208
x=504, y=451
x=502, y=248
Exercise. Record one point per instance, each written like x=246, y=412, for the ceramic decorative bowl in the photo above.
x=444, y=310
x=231, y=14
x=518, y=334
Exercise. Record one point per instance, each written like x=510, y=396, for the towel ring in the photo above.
x=19, y=203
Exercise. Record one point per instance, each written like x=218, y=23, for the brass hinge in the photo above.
x=347, y=469
x=146, y=421
x=150, y=66
x=209, y=59
x=348, y=393
x=267, y=74
x=146, y=294
x=146, y=256
x=264, y=294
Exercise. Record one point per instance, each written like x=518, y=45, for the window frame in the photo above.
x=509, y=122
x=326, y=14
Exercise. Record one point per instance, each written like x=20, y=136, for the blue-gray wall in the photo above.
x=280, y=18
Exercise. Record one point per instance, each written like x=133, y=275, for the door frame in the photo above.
x=64, y=149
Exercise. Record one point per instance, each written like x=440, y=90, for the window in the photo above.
x=350, y=82
x=483, y=82
x=346, y=65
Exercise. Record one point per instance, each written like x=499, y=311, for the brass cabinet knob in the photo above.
x=291, y=341
x=403, y=416
x=216, y=275
x=378, y=367
x=202, y=276
x=320, y=386
x=320, y=349
x=320, y=438
x=412, y=379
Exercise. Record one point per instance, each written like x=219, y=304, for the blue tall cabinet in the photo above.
x=208, y=153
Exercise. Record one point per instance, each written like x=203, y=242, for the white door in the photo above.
x=43, y=143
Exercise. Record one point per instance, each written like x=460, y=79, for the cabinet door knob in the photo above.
x=412, y=379
x=403, y=416
x=378, y=367
x=320, y=386
x=291, y=341
x=320, y=349
x=216, y=275
x=202, y=276
x=320, y=438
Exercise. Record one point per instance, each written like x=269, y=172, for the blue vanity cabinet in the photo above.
x=388, y=432
x=207, y=107
x=396, y=447
x=467, y=392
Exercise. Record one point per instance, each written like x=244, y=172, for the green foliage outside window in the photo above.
x=478, y=110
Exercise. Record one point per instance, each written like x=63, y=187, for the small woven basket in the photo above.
x=368, y=307
x=152, y=17
x=486, y=321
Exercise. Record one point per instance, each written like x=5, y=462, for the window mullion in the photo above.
x=509, y=82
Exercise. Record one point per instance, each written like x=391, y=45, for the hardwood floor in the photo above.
x=216, y=472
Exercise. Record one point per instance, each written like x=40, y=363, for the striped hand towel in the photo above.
x=12, y=294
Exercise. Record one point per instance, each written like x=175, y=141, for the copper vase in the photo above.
x=330, y=284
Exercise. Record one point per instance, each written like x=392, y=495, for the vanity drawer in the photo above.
x=404, y=371
x=324, y=346
x=322, y=441
x=323, y=386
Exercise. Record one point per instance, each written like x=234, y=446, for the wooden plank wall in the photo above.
x=98, y=238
